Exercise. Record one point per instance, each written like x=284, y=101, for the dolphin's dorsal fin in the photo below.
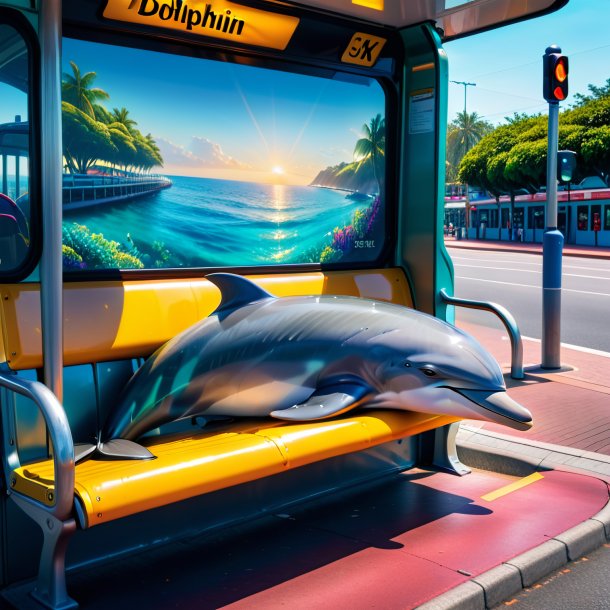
x=236, y=291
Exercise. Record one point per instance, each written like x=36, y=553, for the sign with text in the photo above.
x=215, y=18
x=363, y=49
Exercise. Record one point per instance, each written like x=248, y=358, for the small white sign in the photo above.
x=421, y=112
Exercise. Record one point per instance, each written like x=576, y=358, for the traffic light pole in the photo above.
x=552, y=247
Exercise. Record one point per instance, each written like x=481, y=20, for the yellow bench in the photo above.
x=109, y=321
x=197, y=464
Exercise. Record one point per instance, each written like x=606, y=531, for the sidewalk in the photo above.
x=570, y=407
x=529, y=248
x=571, y=434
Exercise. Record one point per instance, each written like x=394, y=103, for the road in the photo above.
x=581, y=585
x=515, y=281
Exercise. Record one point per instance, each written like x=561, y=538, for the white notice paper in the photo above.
x=421, y=112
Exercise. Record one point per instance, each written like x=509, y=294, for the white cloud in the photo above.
x=211, y=154
x=201, y=153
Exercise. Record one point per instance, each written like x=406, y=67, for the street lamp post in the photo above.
x=461, y=82
x=467, y=202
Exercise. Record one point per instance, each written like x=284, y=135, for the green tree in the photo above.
x=85, y=140
x=485, y=165
x=595, y=93
x=514, y=156
x=121, y=115
x=77, y=89
x=92, y=133
x=370, y=149
x=462, y=134
x=123, y=141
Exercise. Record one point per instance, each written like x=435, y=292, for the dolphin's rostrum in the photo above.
x=307, y=358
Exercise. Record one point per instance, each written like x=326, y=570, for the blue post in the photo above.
x=552, y=248
x=552, y=242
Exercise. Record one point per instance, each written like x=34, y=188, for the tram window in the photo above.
x=596, y=215
x=505, y=218
x=518, y=218
x=535, y=217
x=583, y=217
x=14, y=150
x=175, y=161
x=607, y=218
x=493, y=219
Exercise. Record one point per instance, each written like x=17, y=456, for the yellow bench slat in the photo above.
x=209, y=461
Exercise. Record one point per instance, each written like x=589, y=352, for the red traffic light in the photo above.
x=561, y=69
x=555, y=75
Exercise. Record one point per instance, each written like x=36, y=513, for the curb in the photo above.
x=496, y=585
x=603, y=255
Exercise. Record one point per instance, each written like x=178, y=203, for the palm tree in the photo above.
x=371, y=149
x=122, y=116
x=463, y=133
x=76, y=89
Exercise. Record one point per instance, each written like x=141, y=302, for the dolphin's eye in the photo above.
x=428, y=372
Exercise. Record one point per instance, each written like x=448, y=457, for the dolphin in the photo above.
x=307, y=358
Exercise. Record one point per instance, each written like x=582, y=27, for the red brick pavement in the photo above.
x=570, y=407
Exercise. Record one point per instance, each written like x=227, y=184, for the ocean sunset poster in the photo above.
x=176, y=161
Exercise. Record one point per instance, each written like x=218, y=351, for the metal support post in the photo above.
x=51, y=262
x=552, y=247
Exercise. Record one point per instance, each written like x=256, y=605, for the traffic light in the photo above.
x=566, y=164
x=555, y=75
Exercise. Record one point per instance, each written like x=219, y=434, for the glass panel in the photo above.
x=596, y=217
x=607, y=218
x=505, y=218
x=14, y=150
x=583, y=217
x=172, y=161
x=535, y=219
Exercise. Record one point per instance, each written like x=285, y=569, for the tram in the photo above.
x=299, y=144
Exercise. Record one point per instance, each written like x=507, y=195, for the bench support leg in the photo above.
x=50, y=590
x=445, y=450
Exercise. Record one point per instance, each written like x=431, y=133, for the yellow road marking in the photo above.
x=494, y=495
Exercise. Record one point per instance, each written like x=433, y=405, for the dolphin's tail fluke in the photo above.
x=500, y=407
x=115, y=449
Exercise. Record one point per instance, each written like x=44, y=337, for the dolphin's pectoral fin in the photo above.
x=327, y=401
x=82, y=451
x=122, y=449
x=116, y=449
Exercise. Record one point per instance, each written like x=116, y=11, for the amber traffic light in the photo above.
x=555, y=75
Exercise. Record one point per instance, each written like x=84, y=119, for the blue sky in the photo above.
x=506, y=63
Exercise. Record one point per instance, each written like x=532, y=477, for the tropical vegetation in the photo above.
x=464, y=132
x=366, y=173
x=365, y=225
x=83, y=249
x=513, y=156
x=93, y=135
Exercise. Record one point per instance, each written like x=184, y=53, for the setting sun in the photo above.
x=278, y=170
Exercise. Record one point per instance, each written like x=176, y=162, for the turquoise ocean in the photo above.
x=209, y=222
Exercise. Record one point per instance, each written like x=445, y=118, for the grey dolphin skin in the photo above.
x=307, y=358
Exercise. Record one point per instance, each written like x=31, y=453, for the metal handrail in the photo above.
x=61, y=440
x=516, y=344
